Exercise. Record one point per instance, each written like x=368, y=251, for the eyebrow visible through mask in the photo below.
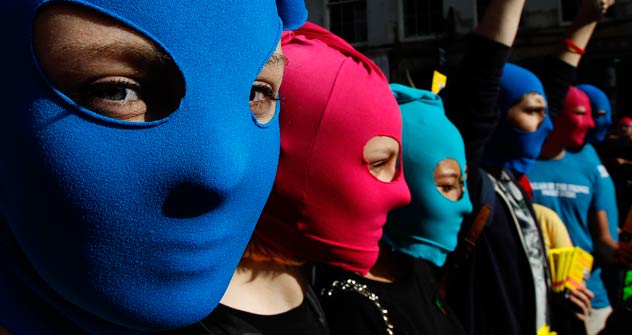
x=277, y=59
x=140, y=55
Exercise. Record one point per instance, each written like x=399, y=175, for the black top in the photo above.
x=306, y=319
x=493, y=292
x=413, y=304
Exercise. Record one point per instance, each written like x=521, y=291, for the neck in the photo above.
x=265, y=288
x=390, y=266
x=552, y=150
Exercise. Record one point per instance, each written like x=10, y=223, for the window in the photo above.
x=347, y=19
x=422, y=17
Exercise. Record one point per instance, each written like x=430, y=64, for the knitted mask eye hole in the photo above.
x=580, y=110
x=264, y=94
x=449, y=179
x=381, y=154
x=105, y=66
x=528, y=113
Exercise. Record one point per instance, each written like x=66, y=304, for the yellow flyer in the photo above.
x=579, y=270
x=554, y=258
x=439, y=81
x=563, y=267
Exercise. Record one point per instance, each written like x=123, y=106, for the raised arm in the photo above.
x=471, y=97
x=572, y=47
x=501, y=20
x=558, y=73
x=581, y=30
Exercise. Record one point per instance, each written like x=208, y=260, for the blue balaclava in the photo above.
x=427, y=228
x=117, y=227
x=509, y=147
x=598, y=102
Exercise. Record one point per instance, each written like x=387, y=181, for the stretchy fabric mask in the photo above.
x=118, y=227
x=325, y=206
x=510, y=147
x=598, y=102
x=427, y=227
x=625, y=121
x=569, y=127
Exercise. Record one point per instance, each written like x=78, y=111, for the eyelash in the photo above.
x=116, y=83
x=459, y=183
x=378, y=164
x=116, y=97
x=267, y=92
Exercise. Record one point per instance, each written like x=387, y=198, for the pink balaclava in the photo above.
x=569, y=128
x=625, y=121
x=325, y=205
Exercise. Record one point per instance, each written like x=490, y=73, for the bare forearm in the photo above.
x=501, y=20
x=581, y=30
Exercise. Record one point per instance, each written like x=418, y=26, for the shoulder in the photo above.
x=545, y=213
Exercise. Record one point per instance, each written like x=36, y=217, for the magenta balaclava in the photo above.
x=569, y=128
x=599, y=102
x=325, y=205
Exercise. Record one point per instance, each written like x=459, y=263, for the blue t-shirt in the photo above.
x=573, y=186
x=606, y=196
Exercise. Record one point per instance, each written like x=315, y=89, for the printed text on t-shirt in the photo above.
x=560, y=190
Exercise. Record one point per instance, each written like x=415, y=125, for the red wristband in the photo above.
x=573, y=47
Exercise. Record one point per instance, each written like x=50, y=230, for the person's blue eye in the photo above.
x=115, y=97
x=116, y=91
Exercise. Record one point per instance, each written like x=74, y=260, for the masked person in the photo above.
x=602, y=116
x=339, y=175
x=510, y=245
x=399, y=294
x=569, y=181
x=137, y=158
x=503, y=286
x=601, y=113
x=401, y=285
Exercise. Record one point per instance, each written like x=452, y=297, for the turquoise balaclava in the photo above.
x=426, y=228
x=512, y=148
x=114, y=227
x=598, y=102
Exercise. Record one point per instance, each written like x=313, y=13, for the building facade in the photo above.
x=409, y=39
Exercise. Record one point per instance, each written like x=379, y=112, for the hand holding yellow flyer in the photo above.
x=570, y=268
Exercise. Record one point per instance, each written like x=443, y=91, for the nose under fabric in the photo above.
x=325, y=205
x=570, y=128
x=426, y=228
x=116, y=227
x=510, y=147
x=599, y=102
